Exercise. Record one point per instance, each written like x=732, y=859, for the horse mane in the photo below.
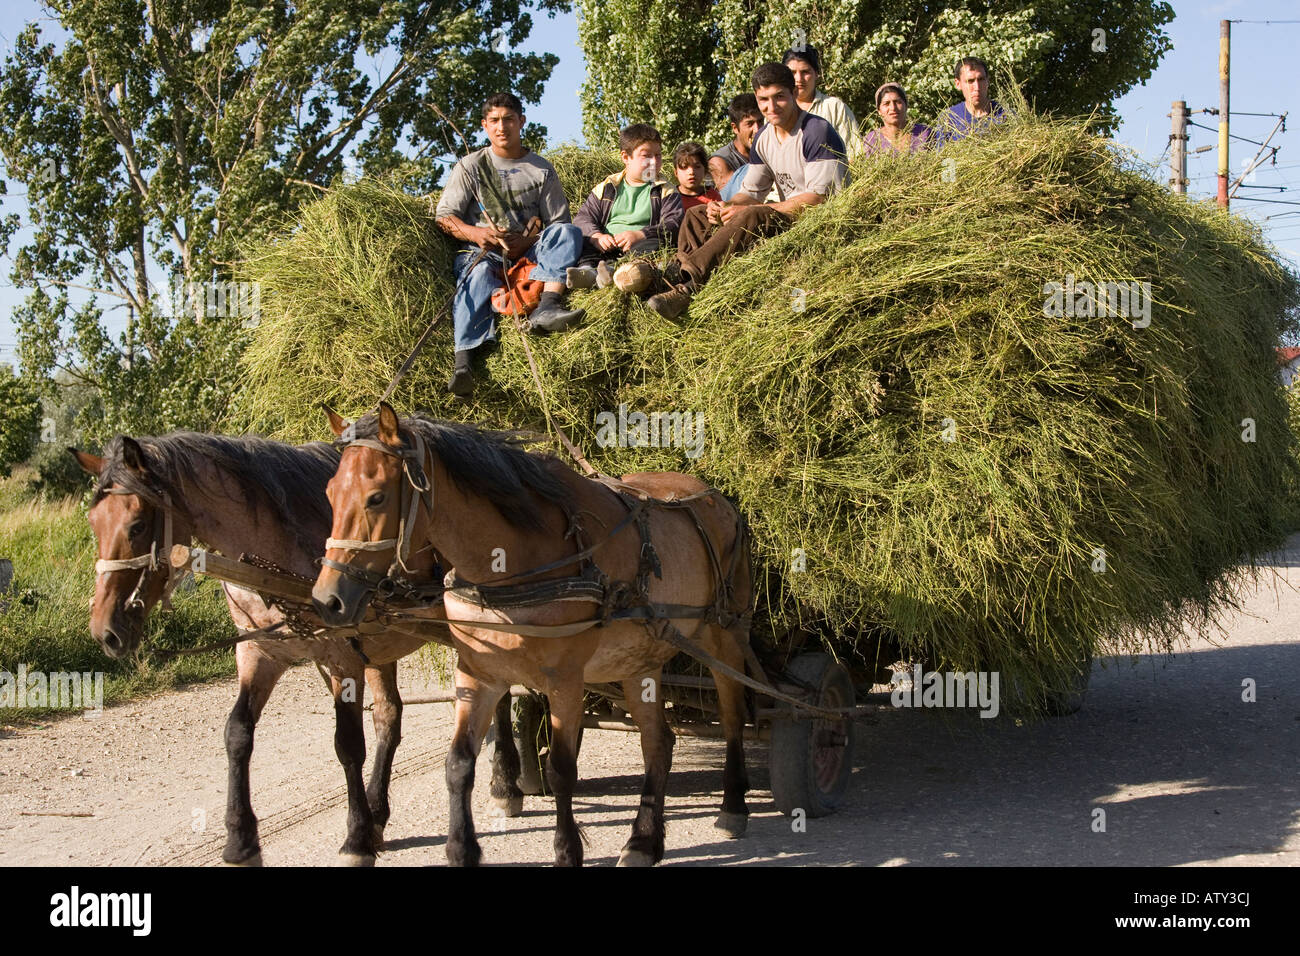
x=289, y=480
x=491, y=464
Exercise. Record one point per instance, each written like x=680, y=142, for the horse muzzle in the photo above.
x=340, y=602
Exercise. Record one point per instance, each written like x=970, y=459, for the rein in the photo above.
x=147, y=562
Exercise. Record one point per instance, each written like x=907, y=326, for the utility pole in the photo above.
x=1225, y=43
x=1178, y=148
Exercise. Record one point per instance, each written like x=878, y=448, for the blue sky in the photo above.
x=1261, y=83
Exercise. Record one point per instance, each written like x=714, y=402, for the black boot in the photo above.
x=462, y=381
x=551, y=316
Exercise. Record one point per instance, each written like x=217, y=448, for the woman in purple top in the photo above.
x=891, y=103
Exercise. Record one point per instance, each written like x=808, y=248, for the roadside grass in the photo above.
x=46, y=624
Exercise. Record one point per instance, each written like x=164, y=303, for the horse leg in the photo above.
x=257, y=676
x=476, y=702
x=350, y=746
x=505, y=764
x=734, y=818
x=387, y=718
x=646, y=847
x=562, y=767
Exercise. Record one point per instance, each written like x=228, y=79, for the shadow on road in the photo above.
x=1183, y=768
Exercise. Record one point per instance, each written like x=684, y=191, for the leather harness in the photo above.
x=162, y=527
x=617, y=600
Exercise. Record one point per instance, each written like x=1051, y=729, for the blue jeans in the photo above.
x=557, y=247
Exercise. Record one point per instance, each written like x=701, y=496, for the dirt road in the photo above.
x=1185, y=771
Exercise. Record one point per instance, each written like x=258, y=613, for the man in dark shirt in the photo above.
x=745, y=120
x=971, y=77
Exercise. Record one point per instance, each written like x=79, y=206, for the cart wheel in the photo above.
x=1071, y=701
x=810, y=760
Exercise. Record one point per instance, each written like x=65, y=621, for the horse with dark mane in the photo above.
x=245, y=494
x=559, y=581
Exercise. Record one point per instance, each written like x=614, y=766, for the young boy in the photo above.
x=633, y=211
x=689, y=163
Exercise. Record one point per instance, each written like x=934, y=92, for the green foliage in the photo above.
x=45, y=625
x=68, y=409
x=169, y=132
x=924, y=303
x=678, y=67
x=649, y=61
x=20, y=419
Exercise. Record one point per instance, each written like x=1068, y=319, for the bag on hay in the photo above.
x=527, y=292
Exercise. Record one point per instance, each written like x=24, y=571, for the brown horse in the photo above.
x=498, y=513
x=237, y=494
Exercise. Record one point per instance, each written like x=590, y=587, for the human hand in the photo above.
x=714, y=211
x=726, y=212
x=516, y=244
x=604, y=241
x=627, y=239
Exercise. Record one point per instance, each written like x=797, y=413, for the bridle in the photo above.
x=162, y=527
x=416, y=487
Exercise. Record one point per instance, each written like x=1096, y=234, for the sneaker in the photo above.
x=581, y=277
x=554, y=318
x=672, y=303
x=604, y=278
x=462, y=383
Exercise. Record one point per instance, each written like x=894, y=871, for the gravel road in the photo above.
x=1185, y=771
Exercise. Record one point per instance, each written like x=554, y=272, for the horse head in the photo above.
x=135, y=525
x=378, y=525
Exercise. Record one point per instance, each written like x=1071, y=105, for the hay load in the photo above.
x=939, y=428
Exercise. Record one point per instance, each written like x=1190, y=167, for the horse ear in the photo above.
x=337, y=424
x=91, y=464
x=388, y=425
x=133, y=455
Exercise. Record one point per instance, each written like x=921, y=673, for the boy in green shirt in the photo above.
x=633, y=211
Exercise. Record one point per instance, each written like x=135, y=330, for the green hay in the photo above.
x=924, y=303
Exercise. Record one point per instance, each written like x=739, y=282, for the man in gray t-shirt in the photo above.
x=499, y=189
x=798, y=152
x=501, y=193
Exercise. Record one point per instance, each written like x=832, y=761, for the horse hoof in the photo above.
x=378, y=833
x=513, y=806
x=530, y=782
x=733, y=824
x=356, y=859
x=635, y=858
x=254, y=860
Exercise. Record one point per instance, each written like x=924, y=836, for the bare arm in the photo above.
x=719, y=171
x=797, y=204
x=457, y=228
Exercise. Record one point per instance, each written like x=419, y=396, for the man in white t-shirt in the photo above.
x=798, y=153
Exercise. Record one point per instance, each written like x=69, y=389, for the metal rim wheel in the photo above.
x=810, y=761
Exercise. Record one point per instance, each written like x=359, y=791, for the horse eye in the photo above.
x=136, y=529
x=375, y=500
